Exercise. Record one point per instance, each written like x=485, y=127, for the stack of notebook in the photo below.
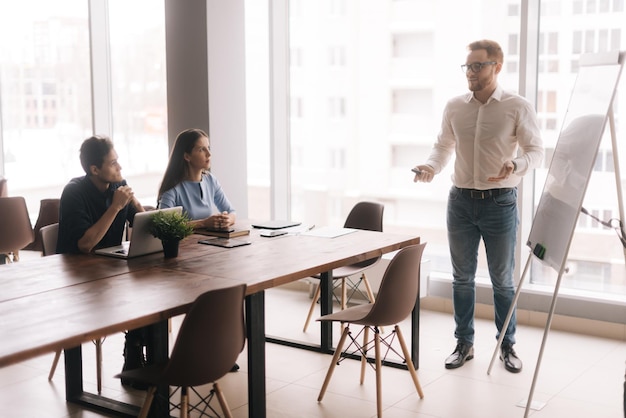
x=224, y=233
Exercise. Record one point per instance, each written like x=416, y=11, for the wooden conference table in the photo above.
x=61, y=301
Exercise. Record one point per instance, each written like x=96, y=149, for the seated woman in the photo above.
x=187, y=182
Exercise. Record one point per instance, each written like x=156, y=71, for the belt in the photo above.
x=483, y=194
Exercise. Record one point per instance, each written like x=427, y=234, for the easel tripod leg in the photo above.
x=543, y=341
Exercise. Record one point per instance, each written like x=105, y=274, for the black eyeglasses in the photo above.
x=476, y=66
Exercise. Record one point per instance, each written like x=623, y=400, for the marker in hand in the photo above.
x=424, y=175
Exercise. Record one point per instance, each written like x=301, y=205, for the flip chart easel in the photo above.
x=554, y=223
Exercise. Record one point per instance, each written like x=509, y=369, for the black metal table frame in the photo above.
x=256, y=339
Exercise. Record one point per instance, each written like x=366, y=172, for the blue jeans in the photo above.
x=495, y=219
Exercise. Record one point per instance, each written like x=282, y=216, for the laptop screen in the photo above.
x=142, y=242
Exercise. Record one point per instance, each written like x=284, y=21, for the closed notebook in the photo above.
x=224, y=242
x=275, y=224
x=223, y=233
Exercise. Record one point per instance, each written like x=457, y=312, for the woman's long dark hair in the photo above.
x=177, y=168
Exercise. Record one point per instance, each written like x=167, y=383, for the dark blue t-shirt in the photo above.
x=82, y=205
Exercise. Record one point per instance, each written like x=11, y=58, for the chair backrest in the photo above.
x=366, y=215
x=399, y=288
x=16, y=231
x=210, y=338
x=48, y=214
x=3, y=188
x=49, y=235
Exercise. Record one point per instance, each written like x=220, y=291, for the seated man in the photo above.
x=93, y=213
x=94, y=208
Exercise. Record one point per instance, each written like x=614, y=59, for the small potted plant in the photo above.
x=170, y=228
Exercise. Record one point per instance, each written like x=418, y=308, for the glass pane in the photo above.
x=257, y=105
x=138, y=84
x=45, y=95
x=596, y=258
x=397, y=77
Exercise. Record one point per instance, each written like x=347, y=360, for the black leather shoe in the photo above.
x=511, y=362
x=461, y=354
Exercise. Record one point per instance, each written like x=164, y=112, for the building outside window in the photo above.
x=397, y=77
x=138, y=92
x=365, y=102
x=46, y=95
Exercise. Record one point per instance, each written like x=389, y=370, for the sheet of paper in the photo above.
x=328, y=231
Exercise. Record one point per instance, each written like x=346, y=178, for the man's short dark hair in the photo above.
x=93, y=150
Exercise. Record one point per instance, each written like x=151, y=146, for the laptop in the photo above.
x=141, y=242
x=276, y=224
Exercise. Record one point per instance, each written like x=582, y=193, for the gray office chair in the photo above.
x=17, y=231
x=209, y=341
x=367, y=216
x=48, y=235
x=397, y=296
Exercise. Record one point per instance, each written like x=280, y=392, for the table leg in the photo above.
x=415, y=334
x=326, y=307
x=157, y=351
x=326, y=327
x=326, y=331
x=74, y=389
x=73, y=373
x=255, y=324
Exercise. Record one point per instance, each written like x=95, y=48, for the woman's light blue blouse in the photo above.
x=198, y=199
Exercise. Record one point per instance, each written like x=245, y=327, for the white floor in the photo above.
x=580, y=376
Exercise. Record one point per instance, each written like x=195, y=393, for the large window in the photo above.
x=138, y=90
x=257, y=111
x=46, y=92
x=367, y=86
x=400, y=64
x=45, y=95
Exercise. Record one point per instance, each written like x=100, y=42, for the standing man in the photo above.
x=495, y=136
x=93, y=213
